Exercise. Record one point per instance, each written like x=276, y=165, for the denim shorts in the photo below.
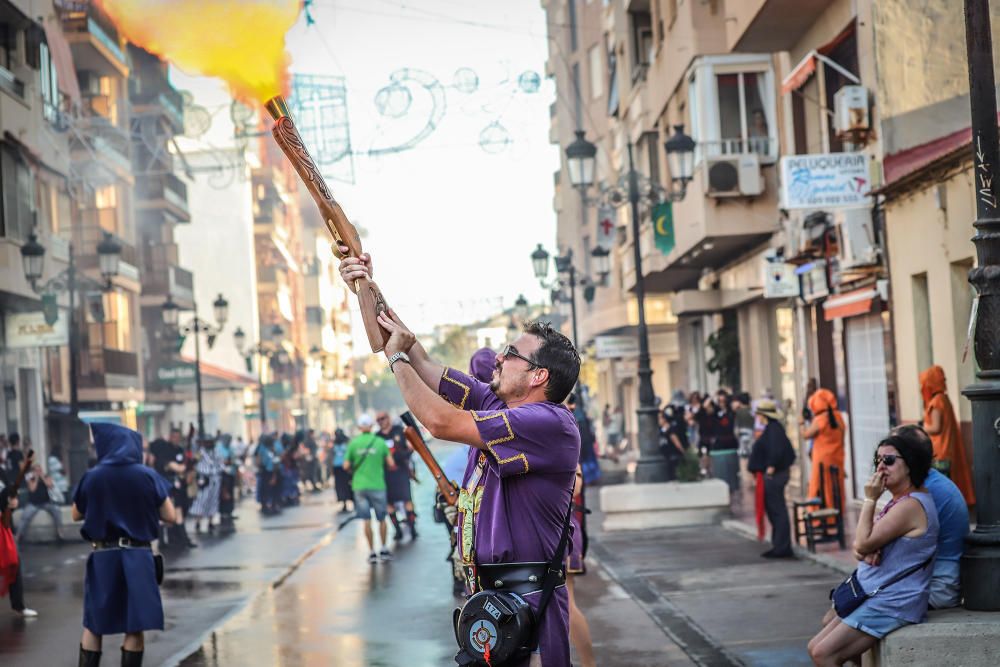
x=366, y=501
x=875, y=623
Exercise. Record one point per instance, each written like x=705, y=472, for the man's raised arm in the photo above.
x=353, y=268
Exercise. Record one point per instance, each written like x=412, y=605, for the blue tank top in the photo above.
x=907, y=598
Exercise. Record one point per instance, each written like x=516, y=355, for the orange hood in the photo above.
x=932, y=382
x=821, y=400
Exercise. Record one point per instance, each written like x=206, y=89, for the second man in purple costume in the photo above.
x=518, y=487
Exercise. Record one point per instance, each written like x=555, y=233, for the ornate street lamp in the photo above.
x=602, y=261
x=109, y=253
x=540, y=262
x=680, y=156
x=581, y=159
x=521, y=307
x=220, y=308
x=171, y=312
x=239, y=339
x=33, y=258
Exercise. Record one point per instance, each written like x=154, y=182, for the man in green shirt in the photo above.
x=367, y=458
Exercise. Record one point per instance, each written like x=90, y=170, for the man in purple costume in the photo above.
x=517, y=491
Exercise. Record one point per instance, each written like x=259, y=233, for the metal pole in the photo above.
x=980, y=565
x=78, y=450
x=572, y=303
x=650, y=466
x=263, y=396
x=197, y=374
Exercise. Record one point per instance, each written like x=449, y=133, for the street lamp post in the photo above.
x=69, y=281
x=980, y=565
x=197, y=326
x=680, y=153
x=264, y=351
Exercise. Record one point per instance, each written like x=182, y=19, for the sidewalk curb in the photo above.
x=191, y=647
x=697, y=644
x=802, y=553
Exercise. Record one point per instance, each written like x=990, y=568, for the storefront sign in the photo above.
x=175, y=374
x=31, y=330
x=626, y=369
x=831, y=180
x=616, y=347
x=780, y=281
x=814, y=283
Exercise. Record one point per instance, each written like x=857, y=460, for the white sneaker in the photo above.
x=385, y=555
x=372, y=557
x=27, y=613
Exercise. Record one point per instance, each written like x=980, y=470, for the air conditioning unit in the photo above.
x=850, y=111
x=90, y=83
x=733, y=175
x=857, y=237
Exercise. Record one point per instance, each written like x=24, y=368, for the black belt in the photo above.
x=121, y=543
x=520, y=578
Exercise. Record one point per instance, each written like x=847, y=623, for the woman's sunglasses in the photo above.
x=887, y=459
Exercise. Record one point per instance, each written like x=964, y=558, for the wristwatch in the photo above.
x=398, y=356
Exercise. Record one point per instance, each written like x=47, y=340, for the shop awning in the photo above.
x=849, y=304
x=63, y=60
x=799, y=74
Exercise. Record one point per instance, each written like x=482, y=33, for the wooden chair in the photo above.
x=826, y=524
x=801, y=507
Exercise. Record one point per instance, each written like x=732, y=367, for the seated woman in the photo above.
x=903, y=536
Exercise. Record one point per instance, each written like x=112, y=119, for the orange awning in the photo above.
x=800, y=74
x=63, y=59
x=849, y=304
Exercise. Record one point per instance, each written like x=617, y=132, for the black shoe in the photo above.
x=398, y=537
x=778, y=554
x=131, y=658
x=89, y=658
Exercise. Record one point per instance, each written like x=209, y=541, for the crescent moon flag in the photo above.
x=663, y=227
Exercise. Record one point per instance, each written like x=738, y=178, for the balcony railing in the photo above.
x=97, y=363
x=87, y=19
x=167, y=187
x=11, y=83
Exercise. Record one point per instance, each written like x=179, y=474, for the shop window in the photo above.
x=612, y=77
x=732, y=107
x=49, y=84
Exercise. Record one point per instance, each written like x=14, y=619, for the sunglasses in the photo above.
x=508, y=351
x=888, y=459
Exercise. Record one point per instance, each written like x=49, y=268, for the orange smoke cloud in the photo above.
x=241, y=42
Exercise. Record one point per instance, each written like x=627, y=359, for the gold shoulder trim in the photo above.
x=502, y=439
x=466, y=389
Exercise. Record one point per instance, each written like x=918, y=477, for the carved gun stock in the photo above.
x=416, y=441
x=340, y=228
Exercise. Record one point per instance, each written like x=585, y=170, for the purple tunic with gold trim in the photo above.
x=516, y=492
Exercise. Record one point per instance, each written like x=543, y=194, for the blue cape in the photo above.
x=120, y=497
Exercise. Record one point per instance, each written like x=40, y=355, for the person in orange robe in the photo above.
x=827, y=431
x=942, y=425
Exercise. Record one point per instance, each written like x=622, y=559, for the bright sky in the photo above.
x=450, y=225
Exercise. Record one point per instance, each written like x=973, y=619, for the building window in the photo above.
x=642, y=42
x=17, y=188
x=612, y=77
x=49, y=81
x=596, y=64
x=732, y=106
x=922, y=321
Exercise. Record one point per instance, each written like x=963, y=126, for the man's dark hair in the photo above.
x=559, y=357
x=14, y=439
x=912, y=445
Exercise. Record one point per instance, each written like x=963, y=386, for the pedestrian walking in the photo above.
x=341, y=478
x=14, y=457
x=39, y=487
x=588, y=441
x=11, y=582
x=169, y=462
x=367, y=459
x=208, y=477
x=942, y=426
x=673, y=439
x=827, y=432
x=268, y=475
x=616, y=429
x=771, y=459
x=895, y=549
x=121, y=503
x=227, y=491
x=290, y=493
x=399, y=495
